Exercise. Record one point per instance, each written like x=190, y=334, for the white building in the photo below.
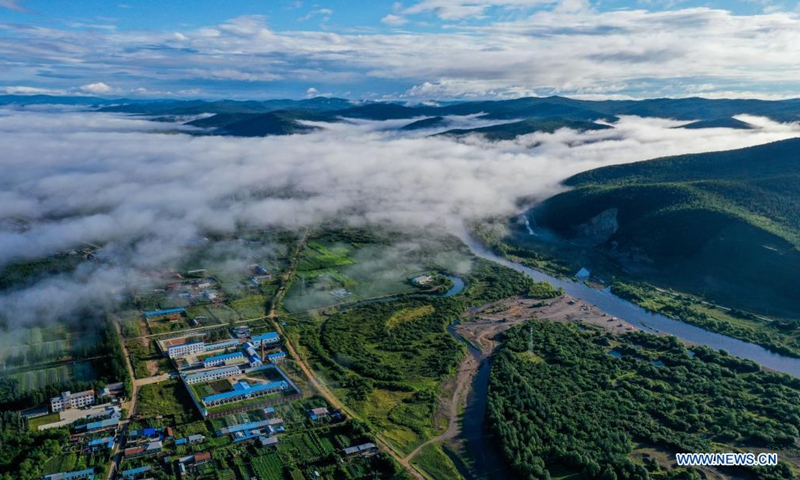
x=184, y=349
x=211, y=375
x=268, y=338
x=422, y=280
x=69, y=400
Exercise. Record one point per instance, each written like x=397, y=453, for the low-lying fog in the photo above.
x=143, y=191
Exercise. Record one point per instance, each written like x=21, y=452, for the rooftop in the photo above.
x=169, y=311
x=243, y=388
x=266, y=336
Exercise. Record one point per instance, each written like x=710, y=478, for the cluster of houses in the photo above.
x=258, y=274
x=243, y=390
x=264, y=431
x=193, y=461
x=150, y=441
x=184, y=346
x=192, y=290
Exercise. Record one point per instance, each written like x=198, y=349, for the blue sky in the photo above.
x=414, y=50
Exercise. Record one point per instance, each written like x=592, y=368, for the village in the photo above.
x=224, y=392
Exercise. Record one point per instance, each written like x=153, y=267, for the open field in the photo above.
x=34, y=423
x=165, y=398
x=60, y=375
x=36, y=345
x=338, y=269
x=436, y=463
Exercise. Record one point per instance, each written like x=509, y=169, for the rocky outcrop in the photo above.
x=599, y=228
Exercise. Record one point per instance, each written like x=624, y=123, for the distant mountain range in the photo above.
x=723, y=222
x=520, y=114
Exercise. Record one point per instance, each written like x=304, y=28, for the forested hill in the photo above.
x=697, y=112
x=722, y=223
x=762, y=161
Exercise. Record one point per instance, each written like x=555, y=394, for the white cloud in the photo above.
x=568, y=50
x=26, y=90
x=463, y=9
x=15, y=5
x=107, y=179
x=324, y=13
x=394, y=20
x=97, y=88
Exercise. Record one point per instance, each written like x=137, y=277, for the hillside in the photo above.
x=509, y=131
x=726, y=224
x=432, y=122
x=280, y=122
x=716, y=111
x=728, y=122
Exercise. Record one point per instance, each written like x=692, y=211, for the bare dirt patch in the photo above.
x=481, y=325
x=152, y=367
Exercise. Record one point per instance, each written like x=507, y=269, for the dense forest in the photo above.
x=22, y=451
x=570, y=400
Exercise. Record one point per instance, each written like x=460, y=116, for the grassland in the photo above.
x=60, y=375
x=28, y=347
x=165, y=398
x=366, y=266
x=35, y=423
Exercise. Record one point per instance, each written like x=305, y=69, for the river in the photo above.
x=487, y=460
x=651, y=322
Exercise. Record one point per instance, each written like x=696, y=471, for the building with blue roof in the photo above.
x=268, y=338
x=250, y=435
x=222, y=359
x=107, y=442
x=242, y=427
x=135, y=472
x=102, y=424
x=276, y=357
x=88, y=473
x=211, y=375
x=221, y=345
x=243, y=390
x=169, y=311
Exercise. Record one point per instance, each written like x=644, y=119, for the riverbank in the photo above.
x=645, y=320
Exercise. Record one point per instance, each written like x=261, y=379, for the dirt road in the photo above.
x=323, y=390
x=466, y=371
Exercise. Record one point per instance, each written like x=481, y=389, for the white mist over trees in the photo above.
x=143, y=191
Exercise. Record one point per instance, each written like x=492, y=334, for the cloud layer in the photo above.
x=565, y=47
x=145, y=195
